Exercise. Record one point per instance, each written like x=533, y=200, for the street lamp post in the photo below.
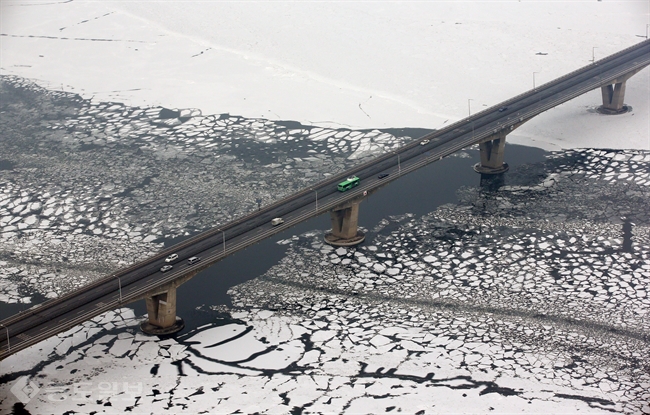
x=399, y=166
x=8, y=344
x=469, y=109
x=223, y=233
x=593, y=54
x=534, y=80
x=316, y=200
x=119, y=283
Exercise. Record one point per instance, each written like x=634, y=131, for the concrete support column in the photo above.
x=344, y=226
x=613, y=96
x=345, y=221
x=161, y=310
x=492, y=151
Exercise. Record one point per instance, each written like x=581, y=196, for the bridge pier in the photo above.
x=613, y=95
x=345, y=231
x=492, y=151
x=161, y=309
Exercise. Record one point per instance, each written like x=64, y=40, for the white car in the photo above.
x=277, y=221
x=424, y=142
x=172, y=257
x=166, y=268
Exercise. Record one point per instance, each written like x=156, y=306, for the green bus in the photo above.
x=349, y=183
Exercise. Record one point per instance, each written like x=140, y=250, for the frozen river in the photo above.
x=523, y=294
x=527, y=296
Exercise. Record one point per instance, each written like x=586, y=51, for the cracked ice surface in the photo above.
x=536, y=281
x=529, y=297
x=87, y=188
x=333, y=361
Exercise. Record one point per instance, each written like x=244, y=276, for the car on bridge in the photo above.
x=424, y=142
x=171, y=258
x=166, y=268
x=382, y=176
x=349, y=183
x=193, y=260
x=276, y=221
x=503, y=109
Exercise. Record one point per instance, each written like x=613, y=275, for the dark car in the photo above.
x=381, y=176
x=503, y=109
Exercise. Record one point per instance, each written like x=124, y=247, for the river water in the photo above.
x=107, y=161
x=417, y=193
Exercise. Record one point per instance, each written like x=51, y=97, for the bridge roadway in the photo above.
x=127, y=285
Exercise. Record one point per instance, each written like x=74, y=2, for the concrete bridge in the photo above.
x=488, y=128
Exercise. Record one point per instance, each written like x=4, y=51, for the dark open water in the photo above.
x=419, y=192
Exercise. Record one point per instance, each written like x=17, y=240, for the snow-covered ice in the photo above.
x=357, y=64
